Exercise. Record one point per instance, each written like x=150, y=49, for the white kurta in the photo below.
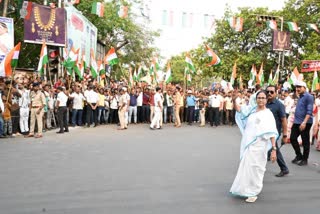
x=259, y=128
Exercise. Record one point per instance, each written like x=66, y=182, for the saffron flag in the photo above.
x=111, y=58
x=293, y=26
x=10, y=61
x=315, y=81
x=97, y=8
x=190, y=64
x=215, y=60
x=234, y=73
x=43, y=59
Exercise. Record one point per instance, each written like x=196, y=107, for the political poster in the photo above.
x=6, y=36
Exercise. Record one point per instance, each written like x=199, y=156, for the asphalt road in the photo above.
x=137, y=171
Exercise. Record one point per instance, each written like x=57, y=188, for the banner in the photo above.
x=6, y=36
x=310, y=65
x=281, y=41
x=46, y=24
x=81, y=33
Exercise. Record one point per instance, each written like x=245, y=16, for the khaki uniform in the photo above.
x=122, y=111
x=37, y=101
x=178, y=101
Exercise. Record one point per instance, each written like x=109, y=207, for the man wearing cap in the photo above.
x=302, y=124
x=37, y=104
x=61, y=105
x=191, y=102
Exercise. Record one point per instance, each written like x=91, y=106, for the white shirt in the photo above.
x=215, y=100
x=62, y=98
x=140, y=99
x=1, y=105
x=24, y=100
x=91, y=96
x=77, y=100
x=157, y=99
x=114, y=102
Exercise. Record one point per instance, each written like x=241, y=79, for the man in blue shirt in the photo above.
x=191, y=103
x=302, y=124
x=279, y=113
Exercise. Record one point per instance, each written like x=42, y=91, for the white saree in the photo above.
x=257, y=128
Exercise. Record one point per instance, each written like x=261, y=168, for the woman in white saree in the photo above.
x=259, y=132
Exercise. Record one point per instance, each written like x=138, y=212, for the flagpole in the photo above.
x=10, y=88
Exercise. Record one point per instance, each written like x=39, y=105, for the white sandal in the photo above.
x=252, y=199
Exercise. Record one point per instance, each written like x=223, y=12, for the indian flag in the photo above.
x=111, y=58
x=101, y=69
x=154, y=66
x=232, y=22
x=72, y=60
x=253, y=72
x=189, y=78
x=43, y=59
x=239, y=24
x=190, y=64
x=276, y=76
x=294, y=77
x=315, y=81
x=234, y=73
x=293, y=26
x=270, y=78
x=313, y=27
x=214, y=59
x=260, y=76
x=139, y=73
x=97, y=8
x=135, y=75
x=146, y=79
x=272, y=24
x=93, y=65
x=168, y=78
x=123, y=11
x=10, y=61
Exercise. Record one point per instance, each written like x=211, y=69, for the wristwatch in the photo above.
x=274, y=148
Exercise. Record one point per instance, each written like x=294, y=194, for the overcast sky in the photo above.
x=182, y=34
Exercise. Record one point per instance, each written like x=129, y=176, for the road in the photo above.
x=186, y=170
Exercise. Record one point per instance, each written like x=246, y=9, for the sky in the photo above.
x=183, y=23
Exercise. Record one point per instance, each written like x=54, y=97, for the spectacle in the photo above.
x=261, y=98
x=270, y=92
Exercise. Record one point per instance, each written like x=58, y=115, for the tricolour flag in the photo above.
x=295, y=76
x=154, y=66
x=276, y=76
x=139, y=73
x=232, y=22
x=146, y=79
x=270, y=78
x=315, y=81
x=313, y=27
x=123, y=11
x=97, y=8
x=135, y=75
x=101, y=68
x=260, y=76
x=239, y=24
x=43, y=59
x=253, y=73
x=293, y=26
x=111, y=58
x=190, y=64
x=10, y=61
x=272, y=24
x=72, y=60
x=234, y=73
x=93, y=65
x=168, y=78
x=214, y=59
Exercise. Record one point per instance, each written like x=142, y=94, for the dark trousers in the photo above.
x=62, y=118
x=139, y=114
x=305, y=135
x=190, y=114
x=281, y=163
x=91, y=115
x=15, y=118
x=181, y=114
x=214, y=116
x=114, y=118
x=145, y=113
